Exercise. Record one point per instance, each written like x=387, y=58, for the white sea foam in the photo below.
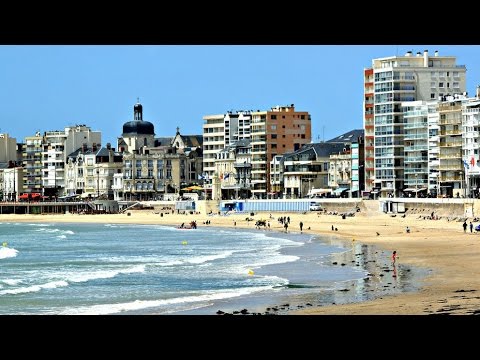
x=48, y=230
x=103, y=274
x=205, y=258
x=143, y=304
x=35, y=288
x=12, y=282
x=62, y=236
x=6, y=252
x=68, y=232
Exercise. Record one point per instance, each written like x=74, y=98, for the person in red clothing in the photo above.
x=394, y=257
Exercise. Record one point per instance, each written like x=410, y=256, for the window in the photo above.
x=90, y=161
x=302, y=127
x=273, y=127
x=283, y=136
x=274, y=136
x=440, y=84
x=283, y=116
x=325, y=166
x=455, y=85
x=432, y=96
x=273, y=146
x=433, y=84
x=302, y=117
x=303, y=136
x=283, y=145
x=138, y=163
x=80, y=172
x=283, y=126
x=448, y=84
x=139, y=173
x=448, y=73
x=273, y=117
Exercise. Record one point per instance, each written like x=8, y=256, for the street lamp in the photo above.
x=416, y=185
x=394, y=185
x=98, y=183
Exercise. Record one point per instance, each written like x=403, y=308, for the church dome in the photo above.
x=137, y=127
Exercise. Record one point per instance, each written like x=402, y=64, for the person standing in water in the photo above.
x=394, y=257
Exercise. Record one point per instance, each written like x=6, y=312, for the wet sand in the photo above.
x=441, y=247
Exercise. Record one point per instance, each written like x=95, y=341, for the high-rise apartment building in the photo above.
x=220, y=131
x=389, y=82
x=276, y=131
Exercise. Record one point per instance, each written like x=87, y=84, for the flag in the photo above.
x=472, y=161
x=226, y=176
x=201, y=177
x=466, y=164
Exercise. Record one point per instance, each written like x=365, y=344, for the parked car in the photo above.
x=315, y=206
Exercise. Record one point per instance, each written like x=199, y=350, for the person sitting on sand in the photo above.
x=407, y=230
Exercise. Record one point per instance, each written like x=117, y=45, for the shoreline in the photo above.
x=452, y=287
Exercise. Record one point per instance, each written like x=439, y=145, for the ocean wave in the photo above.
x=68, y=232
x=48, y=230
x=71, y=278
x=103, y=274
x=12, y=282
x=6, y=252
x=35, y=288
x=62, y=236
x=205, y=258
x=41, y=225
x=104, y=309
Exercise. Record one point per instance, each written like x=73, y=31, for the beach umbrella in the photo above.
x=196, y=187
x=187, y=189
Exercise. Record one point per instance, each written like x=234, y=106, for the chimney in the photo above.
x=94, y=147
x=425, y=58
x=478, y=92
x=419, y=54
x=109, y=146
x=436, y=52
x=409, y=53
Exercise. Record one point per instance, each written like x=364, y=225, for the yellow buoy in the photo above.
x=5, y=244
x=184, y=243
x=250, y=272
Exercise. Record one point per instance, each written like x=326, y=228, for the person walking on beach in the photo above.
x=471, y=227
x=286, y=226
x=464, y=226
x=301, y=226
x=394, y=257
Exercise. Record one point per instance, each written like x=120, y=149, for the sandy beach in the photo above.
x=453, y=286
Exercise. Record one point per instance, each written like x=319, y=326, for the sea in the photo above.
x=70, y=268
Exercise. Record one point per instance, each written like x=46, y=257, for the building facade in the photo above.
x=395, y=80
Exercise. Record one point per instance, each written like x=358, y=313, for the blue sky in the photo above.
x=49, y=87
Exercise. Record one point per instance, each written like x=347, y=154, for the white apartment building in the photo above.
x=219, y=131
x=389, y=82
x=56, y=146
x=8, y=148
x=471, y=143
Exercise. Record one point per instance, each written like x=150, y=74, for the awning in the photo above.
x=415, y=190
x=319, y=191
x=23, y=196
x=339, y=190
